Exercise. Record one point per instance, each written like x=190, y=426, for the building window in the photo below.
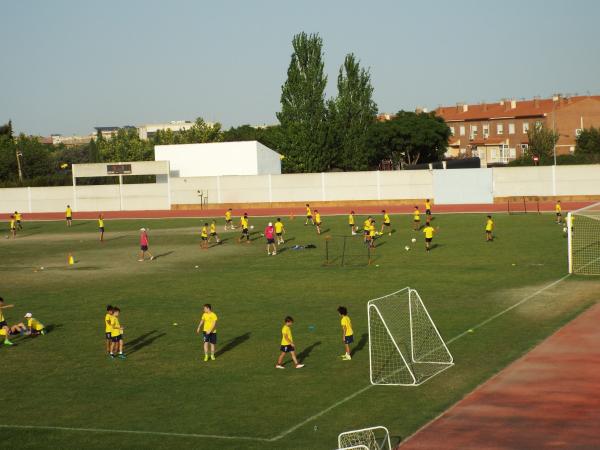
x=473, y=131
x=486, y=130
x=500, y=128
x=511, y=128
x=538, y=124
x=462, y=130
x=572, y=149
x=525, y=127
x=451, y=131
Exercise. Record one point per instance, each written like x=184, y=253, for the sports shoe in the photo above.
x=279, y=366
x=140, y=260
x=269, y=253
x=212, y=357
x=152, y=258
x=343, y=356
x=205, y=358
x=7, y=342
x=274, y=253
x=43, y=332
x=111, y=356
x=346, y=357
x=299, y=366
x=122, y=356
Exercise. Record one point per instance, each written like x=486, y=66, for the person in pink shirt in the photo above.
x=270, y=236
x=144, y=245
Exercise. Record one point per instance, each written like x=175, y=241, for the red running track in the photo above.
x=299, y=211
x=550, y=398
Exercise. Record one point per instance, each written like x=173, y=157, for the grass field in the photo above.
x=64, y=379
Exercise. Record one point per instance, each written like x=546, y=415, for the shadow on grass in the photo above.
x=233, y=343
x=379, y=244
x=142, y=341
x=304, y=354
x=327, y=230
x=162, y=255
x=50, y=328
x=361, y=344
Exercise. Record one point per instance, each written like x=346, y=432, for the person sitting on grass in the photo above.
x=116, y=335
x=17, y=328
x=3, y=325
x=34, y=326
x=208, y=324
x=287, y=344
x=347, y=333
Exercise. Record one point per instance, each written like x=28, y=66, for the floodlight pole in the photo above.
x=18, y=154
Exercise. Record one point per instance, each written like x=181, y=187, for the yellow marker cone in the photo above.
x=71, y=260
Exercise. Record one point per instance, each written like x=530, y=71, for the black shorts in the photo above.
x=287, y=348
x=387, y=224
x=18, y=222
x=13, y=228
x=144, y=248
x=245, y=231
x=117, y=338
x=309, y=217
x=270, y=241
x=204, y=238
x=211, y=338
x=318, y=224
x=428, y=239
x=351, y=225
x=488, y=231
x=3, y=324
x=428, y=212
x=228, y=221
x=366, y=232
x=108, y=336
x=101, y=229
x=69, y=218
x=278, y=234
x=558, y=215
x=213, y=234
x=348, y=339
x=416, y=220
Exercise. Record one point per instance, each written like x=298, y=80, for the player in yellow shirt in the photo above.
x=279, y=231
x=416, y=219
x=427, y=207
x=558, y=209
x=18, y=218
x=3, y=325
x=116, y=335
x=352, y=223
x=489, y=228
x=372, y=234
x=367, y=228
x=204, y=236
x=428, y=231
x=69, y=216
x=244, y=222
x=34, y=326
x=309, y=217
x=208, y=325
x=13, y=226
x=213, y=232
x=387, y=223
x=228, y=220
x=318, y=221
x=347, y=332
x=101, y=227
x=108, y=321
x=287, y=344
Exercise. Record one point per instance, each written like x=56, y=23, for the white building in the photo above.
x=219, y=158
x=147, y=131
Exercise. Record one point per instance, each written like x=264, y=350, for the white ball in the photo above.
x=413, y=240
x=407, y=248
x=42, y=268
x=564, y=229
x=252, y=227
x=196, y=267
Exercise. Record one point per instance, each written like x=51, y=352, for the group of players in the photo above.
x=31, y=327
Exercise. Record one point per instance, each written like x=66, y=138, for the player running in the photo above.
x=13, y=226
x=367, y=228
x=204, y=237
x=318, y=221
x=18, y=218
x=208, y=324
x=558, y=209
x=427, y=207
x=213, y=232
x=244, y=222
x=428, y=231
x=228, y=221
x=347, y=333
x=69, y=216
x=3, y=325
x=279, y=231
x=287, y=345
x=101, y=227
x=489, y=228
x=352, y=223
x=387, y=224
x=416, y=219
x=309, y=217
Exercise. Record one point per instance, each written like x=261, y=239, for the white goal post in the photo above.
x=405, y=346
x=583, y=240
x=373, y=438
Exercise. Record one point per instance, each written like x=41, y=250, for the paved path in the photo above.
x=548, y=399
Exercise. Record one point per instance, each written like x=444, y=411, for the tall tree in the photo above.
x=351, y=115
x=588, y=142
x=541, y=141
x=303, y=113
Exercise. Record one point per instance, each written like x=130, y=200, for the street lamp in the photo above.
x=19, y=156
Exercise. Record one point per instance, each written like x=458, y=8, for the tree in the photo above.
x=303, y=113
x=588, y=142
x=410, y=138
x=351, y=115
x=7, y=130
x=270, y=136
x=541, y=141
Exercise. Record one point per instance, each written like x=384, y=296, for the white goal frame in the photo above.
x=574, y=231
x=416, y=380
x=345, y=438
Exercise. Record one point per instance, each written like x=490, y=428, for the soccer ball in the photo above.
x=413, y=240
x=252, y=227
x=407, y=248
x=564, y=229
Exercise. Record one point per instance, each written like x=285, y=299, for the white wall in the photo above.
x=463, y=186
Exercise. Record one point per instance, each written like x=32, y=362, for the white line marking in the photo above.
x=295, y=427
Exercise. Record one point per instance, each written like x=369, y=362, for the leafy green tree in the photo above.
x=541, y=141
x=351, y=115
x=409, y=138
x=7, y=130
x=303, y=115
x=270, y=136
x=588, y=142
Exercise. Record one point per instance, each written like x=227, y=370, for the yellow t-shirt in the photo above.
x=351, y=219
x=558, y=208
x=346, y=322
x=372, y=230
x=18, y=216
x=228, y=215
x=308, y=212
x=278, y=227
x=69, y=212
x=204, y=232
x=210, y=319
x=12, y=224
x=427, y=205
x=318, y=217
x=35, y=324
x=1, y=316
x=428, y=232
x=108, y=321
x=366, y=225
x=489, y=225
x=213, y=228
x=100, y=223
x=286, y=335
x=116, y=327
x=416, y=215
x=244, y=222
x=386, y=218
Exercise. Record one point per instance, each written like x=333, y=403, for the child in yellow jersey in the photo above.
x=318, y=221
x=279, y=231
x=208, y=324
x=387, y=223
x=13, y=226
x=347, y=332
x=101, y=227
x=427, y=207
x=244, y=222
x=558, y=209
x=367, y=228
x=108, y=321
x=287, y=344
x=228, y=221
x=489, y=228
x=18, y=218
x=213, y=232
x=116, y=334
x=69, y=216
x=352, y=223
x=3, y=325
x=309, y=217
x=428, y=231
x=372, y=234
x=416, y=219
x=204, y=236
x=34, y=326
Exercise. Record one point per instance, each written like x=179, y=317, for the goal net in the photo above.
x=373, y=438
x=405, y=347
x=346, y=251
x=583, y=237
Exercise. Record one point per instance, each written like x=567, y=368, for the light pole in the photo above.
x=19, y=156
x=554, y=130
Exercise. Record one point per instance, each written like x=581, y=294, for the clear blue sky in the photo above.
x=68, y=66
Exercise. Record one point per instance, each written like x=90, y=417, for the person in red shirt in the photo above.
x=144, y=242
x=270, y=236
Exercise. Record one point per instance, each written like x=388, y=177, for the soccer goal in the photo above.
x=405, y=346
x=583, y=240
x=347, y=251
x=523, y=205
x=373, y=438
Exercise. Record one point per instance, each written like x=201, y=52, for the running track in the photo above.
x=299, y=211
x=548, y=399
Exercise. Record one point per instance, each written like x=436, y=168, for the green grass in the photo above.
x=64, y=379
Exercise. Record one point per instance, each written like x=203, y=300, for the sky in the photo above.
x=68, y=66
